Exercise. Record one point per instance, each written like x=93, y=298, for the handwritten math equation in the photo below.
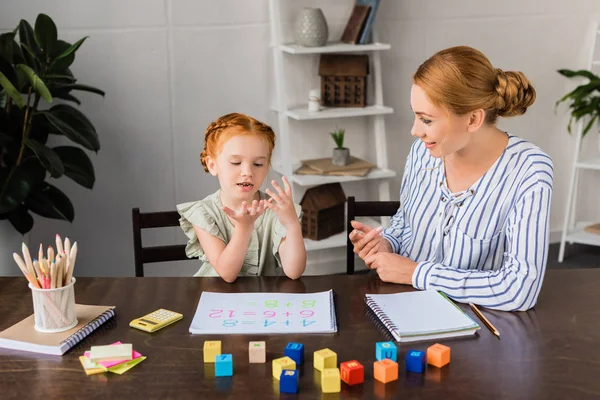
x=268, y=313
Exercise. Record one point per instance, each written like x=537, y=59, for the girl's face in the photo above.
x=442, y=132
x=241, y=166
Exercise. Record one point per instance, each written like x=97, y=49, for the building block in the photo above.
x=224, y=365
x=330, y=380
x=352, y=372
x=289, y=381
x=282, y=364
x=295, y=351
x=325, y=358
x=385, y=370
x=415, y=361
x=211, y=350
x=257, y=351
x=438, y=355
x=385, y=350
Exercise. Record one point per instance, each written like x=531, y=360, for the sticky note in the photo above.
x=126, y=366
x=117, y=352
x=91, y=368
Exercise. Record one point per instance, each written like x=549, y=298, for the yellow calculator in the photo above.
x=156, y=320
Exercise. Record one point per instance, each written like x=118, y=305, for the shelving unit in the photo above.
x=573, y=232
x=376, y=111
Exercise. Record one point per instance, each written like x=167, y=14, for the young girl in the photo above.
x=475, y=201
x=239, y=230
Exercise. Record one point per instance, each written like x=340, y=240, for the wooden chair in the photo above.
x=364, y=209
x=154, y=254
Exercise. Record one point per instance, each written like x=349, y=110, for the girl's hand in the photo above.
x=282, y=203
x=367, y=241
x=245, y=216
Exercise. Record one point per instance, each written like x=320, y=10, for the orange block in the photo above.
x=385, y=370
x=438, y=355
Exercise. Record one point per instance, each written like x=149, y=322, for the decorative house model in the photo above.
x=344, y=80
x=323, y=211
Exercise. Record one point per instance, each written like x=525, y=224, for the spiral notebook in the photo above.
x=265, y=313
x=420, y=315
x=23, y=336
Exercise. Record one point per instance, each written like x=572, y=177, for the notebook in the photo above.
x=420, y=315
x=264, y=313
x=23, y=336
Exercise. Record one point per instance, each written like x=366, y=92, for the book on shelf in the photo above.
x=355, y=24
x=23, y=336
x=325, y=166
x=367, y=30
x=306, y=170
x=593, y=229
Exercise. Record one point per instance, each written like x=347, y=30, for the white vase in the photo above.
x=311, y=28
x=10, y=242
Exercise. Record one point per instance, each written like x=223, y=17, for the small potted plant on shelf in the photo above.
x=584, y=100
x=341, y=154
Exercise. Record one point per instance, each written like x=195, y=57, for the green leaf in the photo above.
x=48, y=201
x=77, y=86
x=69, y=121
x=27, y=39
x=78, y=165
x=11, y=91
x=580, y=73
x=72, y=49
x=21, y=219
x=45, y=33
x=17, y=183
x=38, y=85
x=589, y=125
x=67, y=96
x=69, y=78
x=49, y=159
x=9, y=48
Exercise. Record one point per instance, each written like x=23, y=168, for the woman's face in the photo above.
x=442, y=132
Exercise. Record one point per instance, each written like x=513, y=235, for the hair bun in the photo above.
x=515, y=93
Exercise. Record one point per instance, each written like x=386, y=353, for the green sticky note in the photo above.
x=126, y=366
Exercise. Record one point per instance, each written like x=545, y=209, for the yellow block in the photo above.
x=281, y=364
x=211, y=350
x=330, y=380
x=325, y=358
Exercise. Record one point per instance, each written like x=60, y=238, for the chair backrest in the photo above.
x=364, y=209
x=154, y=254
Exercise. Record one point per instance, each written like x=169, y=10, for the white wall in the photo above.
x=169, y=67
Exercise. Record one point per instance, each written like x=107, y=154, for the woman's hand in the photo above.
x=282, y=204
x=368, y=241
x=392, y=267
x=245, y=216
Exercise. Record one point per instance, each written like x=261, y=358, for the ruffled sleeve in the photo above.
x=279, y=232
x=196, y=213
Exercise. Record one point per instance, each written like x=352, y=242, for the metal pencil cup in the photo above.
x=54, y=309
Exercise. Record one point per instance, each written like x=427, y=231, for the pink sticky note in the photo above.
x=108, y=364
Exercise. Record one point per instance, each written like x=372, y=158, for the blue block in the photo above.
x=289, y=380
x=295, y=351
x=415, y=361
x=385, y=350
x=224, y=365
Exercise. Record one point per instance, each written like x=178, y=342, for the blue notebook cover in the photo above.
x=368, y=28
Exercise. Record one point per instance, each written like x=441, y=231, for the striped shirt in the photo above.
x=487, y=245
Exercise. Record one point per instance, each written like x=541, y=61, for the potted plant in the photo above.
x=341, y=154
x=34, y=77
x=584, y=100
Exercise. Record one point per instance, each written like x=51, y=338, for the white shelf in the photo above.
x=337, y=240
x=302, y=113
x=590, y=163
x=580, y=236
x=314, y=180
x=334, y=47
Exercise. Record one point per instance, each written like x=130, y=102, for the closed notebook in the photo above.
x=23, y=336
x=420, y=315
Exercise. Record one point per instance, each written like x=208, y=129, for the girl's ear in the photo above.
x=211, y=164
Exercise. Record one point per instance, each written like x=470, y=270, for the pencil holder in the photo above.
x=54, y=309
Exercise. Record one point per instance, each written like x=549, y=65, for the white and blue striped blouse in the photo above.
x=487, y=245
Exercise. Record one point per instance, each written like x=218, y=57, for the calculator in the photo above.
x=156, y=320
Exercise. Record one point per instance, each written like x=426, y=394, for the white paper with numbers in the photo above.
x=255, y=313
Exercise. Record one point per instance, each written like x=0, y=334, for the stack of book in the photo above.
x=325, y=166
x=593, y=229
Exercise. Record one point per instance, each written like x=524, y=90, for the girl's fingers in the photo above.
x=253, y=208
x=244, y=208
x=274, y=196
x=287, y=186
x=280, y=191
x=228, y=211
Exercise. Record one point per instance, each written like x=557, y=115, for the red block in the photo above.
x=352, y=372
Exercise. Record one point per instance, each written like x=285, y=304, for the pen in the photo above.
x=485, y=321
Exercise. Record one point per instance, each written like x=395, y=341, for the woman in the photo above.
x=475, y=201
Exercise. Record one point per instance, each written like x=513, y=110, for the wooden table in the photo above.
x=551, y=352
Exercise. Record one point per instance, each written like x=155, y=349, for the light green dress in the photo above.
x=262, y=257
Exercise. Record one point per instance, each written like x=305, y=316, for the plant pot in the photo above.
x=341, y=156
x=10, y=242
x=311, y=28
